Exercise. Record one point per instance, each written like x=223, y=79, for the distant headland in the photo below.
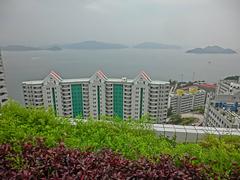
x=90, y=45
x=211, y=50
x=94, y=45
x=29, y=48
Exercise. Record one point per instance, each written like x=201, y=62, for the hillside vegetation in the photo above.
x=131, y=139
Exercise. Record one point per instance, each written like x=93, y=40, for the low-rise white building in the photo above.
x=225, y=116
x=187, y=102
x=228, y=86
x=99, y=95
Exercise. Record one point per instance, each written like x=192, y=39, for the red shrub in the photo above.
x=63, y=163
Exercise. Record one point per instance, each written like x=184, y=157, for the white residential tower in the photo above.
x=3, y=88
x=100, y=95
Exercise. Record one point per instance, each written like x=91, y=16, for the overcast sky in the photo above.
x=194, y=23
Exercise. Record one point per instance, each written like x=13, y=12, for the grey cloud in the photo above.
x=184, y=22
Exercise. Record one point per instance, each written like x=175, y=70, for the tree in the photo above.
x=146, y=119
x=169, y=111
x=199, y=110
x=175, y=119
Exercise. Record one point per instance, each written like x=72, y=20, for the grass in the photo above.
x=130, y=138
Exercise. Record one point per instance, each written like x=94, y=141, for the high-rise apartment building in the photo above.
x=3, y=88
x=100, y=95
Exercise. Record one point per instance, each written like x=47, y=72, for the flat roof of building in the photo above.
x=159, y=82
x=113, y=80
x=119, y=80
x=33, y=82
x=208, y=85
x=75, y=80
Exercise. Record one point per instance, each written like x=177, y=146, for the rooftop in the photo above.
x=33, y=82
x=143, y=76
x=208, y=85
x=75, y=80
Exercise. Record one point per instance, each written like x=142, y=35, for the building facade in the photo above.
x=228, y=86
x=187, y=102
x=3, y=87
x=223, y=109
x=221, y=114
x=100, y=95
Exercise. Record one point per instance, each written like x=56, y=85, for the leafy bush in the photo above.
x=61, y=162
x=130, y=138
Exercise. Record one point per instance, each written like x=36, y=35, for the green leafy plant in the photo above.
x=133, y=139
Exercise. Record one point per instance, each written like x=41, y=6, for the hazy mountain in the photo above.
x=19, y=48
x=28, y=48
x=53, y=48
x=154, y=45
x=211, y=50
x=94, y=45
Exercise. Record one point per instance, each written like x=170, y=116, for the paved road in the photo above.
x=200, y=118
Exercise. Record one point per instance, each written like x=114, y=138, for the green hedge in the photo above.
x=130, y=138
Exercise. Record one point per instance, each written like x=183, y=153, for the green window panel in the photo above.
x=141, y=102
x=118, y=100
x=77, y=100
x=54, y=101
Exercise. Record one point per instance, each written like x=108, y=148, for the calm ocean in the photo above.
x=159, y=64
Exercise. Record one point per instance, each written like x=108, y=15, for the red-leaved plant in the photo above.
x=41, y=162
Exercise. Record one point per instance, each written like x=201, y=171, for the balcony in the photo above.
x=109, y=96
x=85, y=96
x=153, y=98
x=66, y=102
x=38, y=99
x=127, y=99
x=66, y=95
x=65, y=91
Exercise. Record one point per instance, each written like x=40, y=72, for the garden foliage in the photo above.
x=131, y=139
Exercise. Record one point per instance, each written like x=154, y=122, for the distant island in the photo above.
x=154, y=45
x=29, y=48
x=94, y=45
x=98, y=45
x=19, y=48
x=53, y=48
x=89, y=45
x=211, y=50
